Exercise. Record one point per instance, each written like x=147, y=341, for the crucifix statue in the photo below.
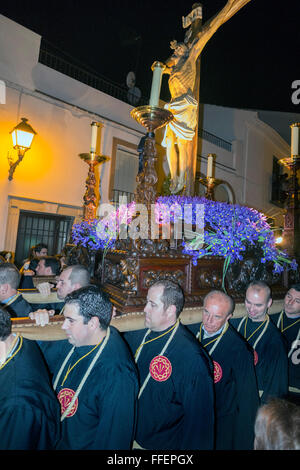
x=182, y=68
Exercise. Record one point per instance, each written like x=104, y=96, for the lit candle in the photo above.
x=295, y=146
x=94, y=137
x=210, y=162
x=158, y=69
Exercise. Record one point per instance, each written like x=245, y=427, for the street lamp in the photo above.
x=22, y=136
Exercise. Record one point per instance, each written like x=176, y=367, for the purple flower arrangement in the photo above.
x=230, y=230
x=101, y=233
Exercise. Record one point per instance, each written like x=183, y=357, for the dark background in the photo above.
x=250, y=62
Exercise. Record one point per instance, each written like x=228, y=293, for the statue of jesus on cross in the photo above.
x=181, y=67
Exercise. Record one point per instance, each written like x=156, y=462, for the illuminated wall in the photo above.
x=51, y=178
x=60, y=109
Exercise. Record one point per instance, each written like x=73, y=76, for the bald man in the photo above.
x=235, y=384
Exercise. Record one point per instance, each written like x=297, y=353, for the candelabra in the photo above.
x=209, y=181
x=91, y=200
x=152, y=117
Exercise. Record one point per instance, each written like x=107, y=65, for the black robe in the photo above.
x=236, y=389
x=105, y=413
x=26, y=282
x=271, y=364
x=291, y=334
x=175, y=410
x=18, y=308
x=56, y=306
x=29, y=410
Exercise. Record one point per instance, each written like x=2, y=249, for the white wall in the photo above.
x=60, y=110
x=249, y=165
x=19, y=52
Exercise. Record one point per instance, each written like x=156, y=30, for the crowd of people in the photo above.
x=225, y=383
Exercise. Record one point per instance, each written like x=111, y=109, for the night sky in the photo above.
x=250, y=62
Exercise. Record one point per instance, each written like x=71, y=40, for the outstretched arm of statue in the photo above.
x=212, y=25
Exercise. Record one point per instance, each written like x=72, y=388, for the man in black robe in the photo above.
x=271, y=363
x=235, y=383
x=176, y=398
x=288, y=322
x=94, y=376
x=70, y=279
x=29, y=410
x=10, y=299
x=46, y=266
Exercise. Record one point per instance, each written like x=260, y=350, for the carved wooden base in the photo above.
x=127, y=278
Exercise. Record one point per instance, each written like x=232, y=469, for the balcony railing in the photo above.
x=213, y=139
x=91, y=79
x=109, y=87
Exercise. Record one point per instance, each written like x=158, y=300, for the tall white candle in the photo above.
x=94, y=137
x=158, y=68
x=210, y=162
x=295, y=145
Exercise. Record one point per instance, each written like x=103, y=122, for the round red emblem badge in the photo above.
x=64, y=397
x=160, y=368
x=217, y=372
x=255, y=358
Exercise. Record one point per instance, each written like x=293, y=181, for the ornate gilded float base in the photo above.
x=127, y=278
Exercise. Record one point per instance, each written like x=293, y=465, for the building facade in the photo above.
x=49, y=183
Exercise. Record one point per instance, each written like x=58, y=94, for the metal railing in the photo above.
x=213, y=139
x=101, y=83
x=89, y=78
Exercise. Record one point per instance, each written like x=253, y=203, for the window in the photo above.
x=34, y=228
x=124, y=169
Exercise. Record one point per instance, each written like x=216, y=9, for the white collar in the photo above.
x=209, y=335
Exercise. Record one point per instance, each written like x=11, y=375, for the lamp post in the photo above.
x=22, y=136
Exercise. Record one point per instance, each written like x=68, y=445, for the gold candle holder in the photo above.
x=151, y=117
x=210, y=183
x=91, y=200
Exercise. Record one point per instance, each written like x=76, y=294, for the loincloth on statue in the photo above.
x=184, y=109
